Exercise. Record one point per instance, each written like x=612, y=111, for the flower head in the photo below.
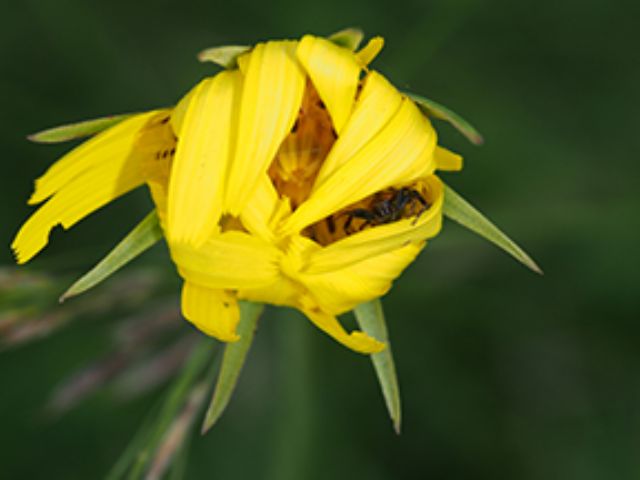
x=299, y=177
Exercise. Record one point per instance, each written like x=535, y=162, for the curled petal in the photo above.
x=356, y=340
x=377, y=104
x=342, y=289
x=271, y=97
x=202, y=157
x=231, y=260
x=399, y=154
x=213, y=311
x=382, y=238
x=335, y=73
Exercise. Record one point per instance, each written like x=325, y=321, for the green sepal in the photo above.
x=142, y=237
x=458, y=209
x=349, y=38
x=235, y=354
x=436, y=110
x=72, y=131
x=226, y=56
x=370, y=318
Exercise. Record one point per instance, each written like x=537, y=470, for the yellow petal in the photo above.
x=447, y=160
x=335, y=73
x=159, y=141
x=283, y=293
x=177, y=115
x=370, y=50
x=398, y=155
x=231, y=260
x=202, y=159
x=214, y=312
x=382, y=238
x=116, y=142
x=158, y=192
x=356, y=340
x=342, y=289
x=87, y=181
x=264, y=210
x=376, y=105
x=271, y=97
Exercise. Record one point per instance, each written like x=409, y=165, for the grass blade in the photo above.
x=72, y=131
x=436, y=110
x=175, y=439
x=138, y=453
x=370, y=317
x=234, y=356
x=461, y=211
x=142, y=237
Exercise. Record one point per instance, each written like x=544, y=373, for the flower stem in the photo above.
x=293, y=430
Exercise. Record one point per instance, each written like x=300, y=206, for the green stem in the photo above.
x=294, y=429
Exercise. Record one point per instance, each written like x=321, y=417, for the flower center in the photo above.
x=296, y=165
x=298, y=161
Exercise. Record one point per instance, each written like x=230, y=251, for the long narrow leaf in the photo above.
x=348, y=38
x=142, y=237
x=370, y=317
x=458, y=209
x=234, y=356
x=177, y=433
x=72, y=131
x=135, y=445
x=441, y=112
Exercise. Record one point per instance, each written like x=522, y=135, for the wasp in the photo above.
x=388, y=206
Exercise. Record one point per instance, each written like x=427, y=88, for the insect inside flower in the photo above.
x=296, y=176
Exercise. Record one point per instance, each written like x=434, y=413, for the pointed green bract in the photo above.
x=458, y=209
x=348, y=38
x=142, y=237
x=72, y=131
x=434, y=109
x=234, y=356
x=370, y=318
x=226, y=56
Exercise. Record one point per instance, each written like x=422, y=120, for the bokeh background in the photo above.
x=504, y=374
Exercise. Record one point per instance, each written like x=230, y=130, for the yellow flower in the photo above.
x=299, y=178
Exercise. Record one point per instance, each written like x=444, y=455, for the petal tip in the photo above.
x=363, y=343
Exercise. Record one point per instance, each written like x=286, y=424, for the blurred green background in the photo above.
x=504, y=374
